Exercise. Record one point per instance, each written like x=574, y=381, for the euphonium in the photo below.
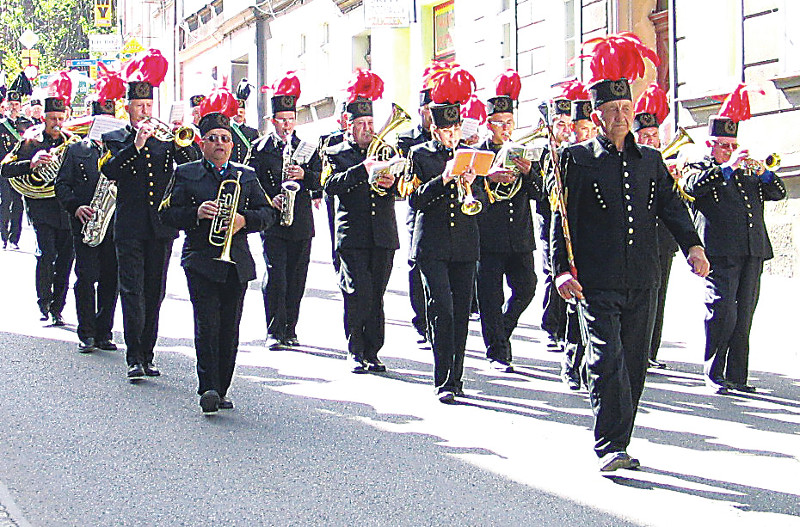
x=182, y=137
x=39, y=183
x=680, y=140
x=104, y=202
x=379, y=149
x=469, y=205
x=221, y=232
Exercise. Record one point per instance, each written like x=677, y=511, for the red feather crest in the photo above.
x=618, y=56
x=474, y=109
x=220, y=100
x=288, y=85
x=365, y=85
x=450, y=83
x=110, y=85
x=653, y=100
x=736, y=106
x=509, y=83
x=61, y=87
x=573, y=90
x=149, y=66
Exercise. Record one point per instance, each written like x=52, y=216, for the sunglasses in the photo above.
x=726, y=146
x=502, y=124
x=214, y=138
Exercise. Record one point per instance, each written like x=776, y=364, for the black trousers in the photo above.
x=217, y=313
x=363, y=277
x=574, y=347
x=665, y=261
x=554, y=315
x=53, y=265
x=11, y=208
x=329, y=208
x=448, y=290
x=284, y=283
x=620, y=325
x=499, y=317
x=416, y=295
x=95, y=287
x=732, y=291
x=143, y=268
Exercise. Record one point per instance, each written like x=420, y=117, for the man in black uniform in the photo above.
x=728, y=208
x=506, y=235
x=287, y=248
x=326, y=141
x=50, y=221
x=142, y=167
x=405, y=142
x=216, y=288
x=243, y=136
x=366, y=237
x=615, y=190
x=12, y=126
x=95, y=266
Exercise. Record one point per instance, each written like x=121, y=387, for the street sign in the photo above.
x=131, y=47
x=28, y=39
x=105, y=43
x=386, y=13
x=102, y=13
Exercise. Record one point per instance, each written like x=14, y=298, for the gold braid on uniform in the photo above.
x=165, y=201
x=408, y=182
x=326, y=166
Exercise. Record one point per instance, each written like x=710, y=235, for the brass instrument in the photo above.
x=182, y=137
x=289, y=187
x=540, y=132
x=506, y=191
x=379, y=149
x=469, y=205
x=772, y=162
x=104, y=203
x=221, y=232
x=681, y=139
x=39, y=182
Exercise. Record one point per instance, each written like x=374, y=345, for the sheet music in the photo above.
x=176, y=112
x=103, y=124
x=303, y=152
x=469, y=127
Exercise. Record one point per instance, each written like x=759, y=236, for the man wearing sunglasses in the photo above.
x=216, y=288
x=728, y=209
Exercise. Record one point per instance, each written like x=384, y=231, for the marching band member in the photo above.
x=142, y=166
x=445, y=243
x=366, y=227
x=615, y=190
x=650, y=111
x=216, y=288
x=95, y=266
x=287, y=248
x=12, y=126
x=50, y=222
x=243, y=136
x=729, y=190
x=506, y=233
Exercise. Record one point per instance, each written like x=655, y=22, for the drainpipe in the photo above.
x=262, y=35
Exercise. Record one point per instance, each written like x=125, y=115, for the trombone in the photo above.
x=182, y=136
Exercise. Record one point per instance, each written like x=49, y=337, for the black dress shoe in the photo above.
x=135, y=372
x=291, y=341
x=86, y=346
x=105, y=345
x=741, y=387
x=446, y=396
x=375, y=365
x=225, y=404
x=45, y=316
x=274, y=343
x=209, y=402
x=572, y=381
x=150, y=370
x=501, y=366
x=656, y=365
x=358, y=365
x=57, y=320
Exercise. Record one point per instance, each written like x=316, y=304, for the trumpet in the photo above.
x=221, y=232
x=771, y=162
x=469, y=205
x=182, y=136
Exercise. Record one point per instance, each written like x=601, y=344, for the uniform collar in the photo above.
x=630, y=148
x=210, y=166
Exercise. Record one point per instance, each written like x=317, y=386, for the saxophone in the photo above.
x=104, y=202
x=289, y=187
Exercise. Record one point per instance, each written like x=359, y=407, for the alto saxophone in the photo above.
x=104, y=202
x=289, y=187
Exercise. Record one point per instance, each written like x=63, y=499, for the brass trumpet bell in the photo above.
x=680, y=140
x=182, y=136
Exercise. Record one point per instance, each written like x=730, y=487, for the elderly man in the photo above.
x=615, y=190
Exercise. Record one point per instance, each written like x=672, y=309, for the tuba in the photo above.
x=39, y=183
x=182, y=137
x=104, y=203
x=221, y=232
x=379, y=149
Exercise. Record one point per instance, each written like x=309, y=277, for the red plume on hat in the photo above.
x=110, y=85
x=149, y=66
x=220, y=100
x=736, y=105
x=365, y=85
x=288, y=85
x=574, y=90
x=61, y=87
x=450, y=84
x=434, y=66
x=509, y=84
x=653, y=100
x=474, y=109
x=618, y=56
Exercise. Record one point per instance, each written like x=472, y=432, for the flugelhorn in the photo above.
x=182, y=136
x=221, y=232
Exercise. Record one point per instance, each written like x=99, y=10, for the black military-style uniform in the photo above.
x=95, y=267
x=446, y=247
x=143, y=243
x=507, y=245
x=613, y=199
x=216, y=288
x=325, y=142
x=366, y=239
x=287, y=250
x=10, y=200
x=405, y=142
x=729, y=216
x=242, y=147
x=51, y=224
x=667, y=247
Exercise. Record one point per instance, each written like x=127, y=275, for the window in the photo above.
x=569, y=37
x=302, y=45
x=505, y=42
x=325, y=34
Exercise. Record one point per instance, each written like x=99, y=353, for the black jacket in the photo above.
x=729, y=215
x=267, y=160
x=507, y=225
x=77, y=179
x=197, y=182
x=441, y=230
x=240, y=148
x=612, y=204
x=7, y=139
x=411, y=138
x=142, y=178
x=363, y=218
x=45, y=211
